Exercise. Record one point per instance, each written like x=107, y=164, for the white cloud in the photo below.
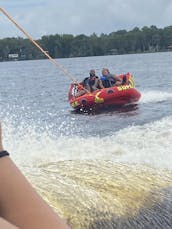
x=79, y=16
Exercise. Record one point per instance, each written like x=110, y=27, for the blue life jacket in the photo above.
x=108, y=81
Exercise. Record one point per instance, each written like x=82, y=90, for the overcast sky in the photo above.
x=45, y=17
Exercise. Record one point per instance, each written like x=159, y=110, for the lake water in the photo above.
x=110, y=170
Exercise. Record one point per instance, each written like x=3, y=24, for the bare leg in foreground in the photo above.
x=19, y=202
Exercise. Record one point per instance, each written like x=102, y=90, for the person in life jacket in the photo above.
x=109, y=79
x=90, y=84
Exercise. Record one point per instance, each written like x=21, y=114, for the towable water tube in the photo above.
x=116, y=95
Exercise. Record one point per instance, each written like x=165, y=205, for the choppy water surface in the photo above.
x=110, y=170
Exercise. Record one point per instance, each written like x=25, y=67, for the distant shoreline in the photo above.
x=145, y=40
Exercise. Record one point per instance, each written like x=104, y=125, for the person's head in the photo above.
x=105, y=72
x=92, y=73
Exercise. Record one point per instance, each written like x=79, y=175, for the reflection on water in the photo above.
x=129, y=109
x=102, y=194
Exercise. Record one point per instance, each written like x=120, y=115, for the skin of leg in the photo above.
x=118, y=83
x=82, y=92
x=87, y=87
x=100, y=84
x=6, y=225
x=19, y=202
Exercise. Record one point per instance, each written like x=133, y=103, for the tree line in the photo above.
x=146, y=39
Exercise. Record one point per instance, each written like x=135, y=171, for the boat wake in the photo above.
x=102, y=194
x=143, y=144
x=118, y=181
x=155, y=96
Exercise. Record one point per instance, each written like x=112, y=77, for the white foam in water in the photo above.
x=148, y=144
x=155, y=96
